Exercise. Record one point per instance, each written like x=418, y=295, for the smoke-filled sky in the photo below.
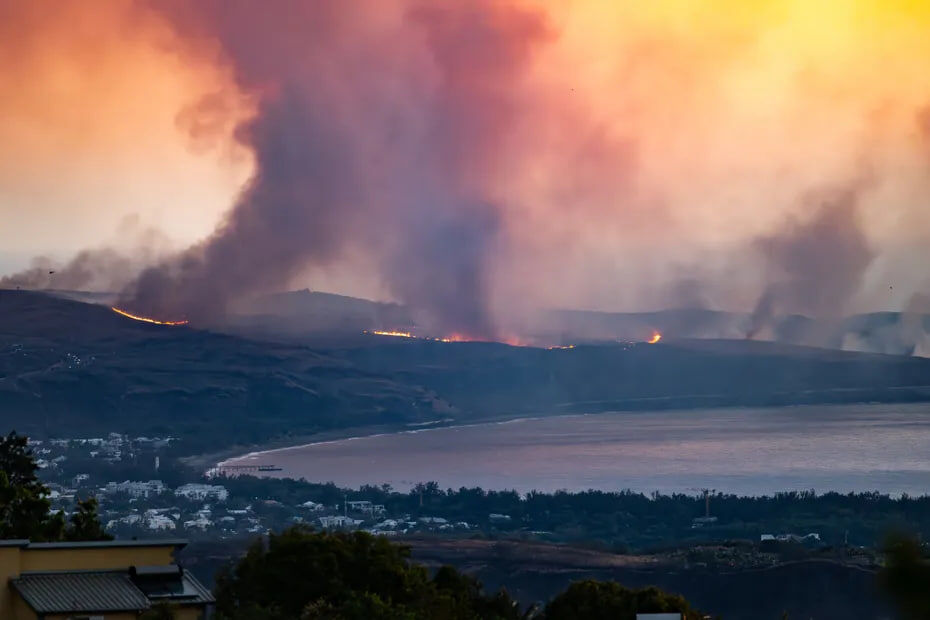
x=473, y=159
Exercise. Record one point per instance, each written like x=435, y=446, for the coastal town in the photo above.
x=199, y=509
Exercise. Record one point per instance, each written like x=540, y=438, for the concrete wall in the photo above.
x=9, y=568
x=102, y=558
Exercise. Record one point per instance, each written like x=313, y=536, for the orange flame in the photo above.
x=394, y=334
x=656, y=337
x=453, y=337
x=145, y=319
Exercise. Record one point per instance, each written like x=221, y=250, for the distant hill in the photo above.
x=572, y=326
x=71, y=368
x=313, y=316
x=880, y=332
x=485, y=378
x=325, y=319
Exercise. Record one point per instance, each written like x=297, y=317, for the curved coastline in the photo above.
x=399, y=431
x=676, y=450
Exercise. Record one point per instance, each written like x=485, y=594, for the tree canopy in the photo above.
x=310, y=575
x=300, y=573
x=608, y=600
x=25, y=509
x=906, y=576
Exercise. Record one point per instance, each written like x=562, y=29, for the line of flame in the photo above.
x=656, y=337
x=395, y=334
x=145, y=319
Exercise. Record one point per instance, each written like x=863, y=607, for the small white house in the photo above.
x=135, y=489
x=339, y=521
x=197, y=491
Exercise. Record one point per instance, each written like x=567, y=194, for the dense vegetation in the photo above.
x=906, y=576
x=355, y=576
x=24, y=505
x=625, y=520
x=607, y=600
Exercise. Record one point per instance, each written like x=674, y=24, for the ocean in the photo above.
x=883, y=448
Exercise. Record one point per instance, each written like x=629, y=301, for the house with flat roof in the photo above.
x=105, y=580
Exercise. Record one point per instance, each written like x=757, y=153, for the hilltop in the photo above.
x=72, y=369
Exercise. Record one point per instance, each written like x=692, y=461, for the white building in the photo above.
x=197, y=491
x=200, y=523
x=339, y=521
x=159, y=522
x=310, y=505
x=130, y=519
x=135, y=489
x=365, y=506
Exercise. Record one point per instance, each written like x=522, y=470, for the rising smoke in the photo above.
x=108, y=268
x=478, y=160
x=379, y=131
x=814, y=267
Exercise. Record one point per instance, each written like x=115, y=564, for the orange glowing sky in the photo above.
x=707, y=124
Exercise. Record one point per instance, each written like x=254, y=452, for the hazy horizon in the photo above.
x=476, y=161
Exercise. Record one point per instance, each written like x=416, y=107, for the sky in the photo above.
x=474, y=159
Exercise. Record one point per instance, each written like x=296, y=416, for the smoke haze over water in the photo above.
x=481, y=159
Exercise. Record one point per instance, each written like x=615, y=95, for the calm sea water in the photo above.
x=746, y=451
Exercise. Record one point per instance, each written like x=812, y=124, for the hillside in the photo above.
x=485, y=378
x=70, y=368
x=78, y=369
x=325, y=319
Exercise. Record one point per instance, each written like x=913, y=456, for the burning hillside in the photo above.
x=145, y=319
x=455, y=337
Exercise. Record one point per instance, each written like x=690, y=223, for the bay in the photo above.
x=883, y=448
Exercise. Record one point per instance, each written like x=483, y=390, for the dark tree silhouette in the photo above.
x=906, y=576
x=608, y=600
x=24, y=505
x=300, y=573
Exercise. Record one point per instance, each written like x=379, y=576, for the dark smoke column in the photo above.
x=380, y=126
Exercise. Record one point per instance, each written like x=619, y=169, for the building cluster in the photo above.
x=199, y=510
x=113, y=448
x=370, y=517
x=812, y=538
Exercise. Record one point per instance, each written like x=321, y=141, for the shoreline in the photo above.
x=217, y=458
x=209, y=460
x=399, y=431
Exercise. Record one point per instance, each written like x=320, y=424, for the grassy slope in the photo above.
x=73, y=368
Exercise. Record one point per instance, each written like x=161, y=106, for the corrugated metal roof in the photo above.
x=170, y=583
x=81, y=591
x=195, y=591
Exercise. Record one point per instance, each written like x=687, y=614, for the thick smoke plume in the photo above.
x=475, y=160
x=814, y=267
x=372, y=129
